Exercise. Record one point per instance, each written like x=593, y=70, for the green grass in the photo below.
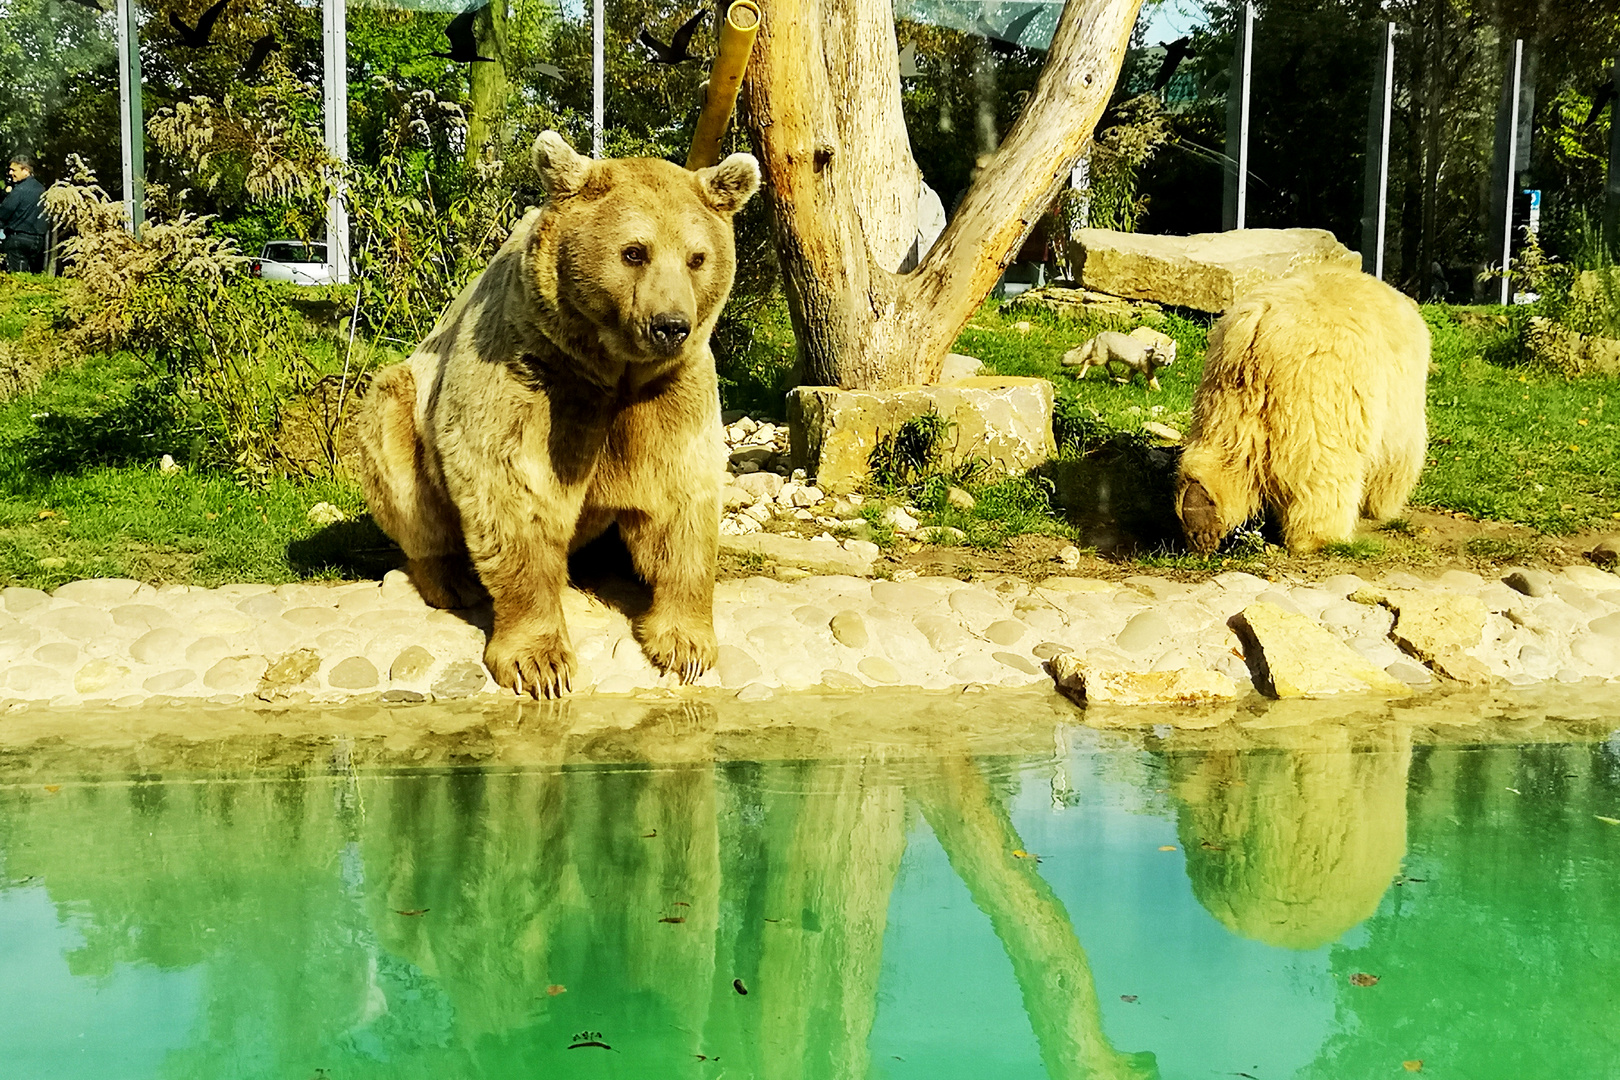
x=81, y=496
x=1093, y=409
x=1003, y=507
x=1514, y=443
x=1361, y=549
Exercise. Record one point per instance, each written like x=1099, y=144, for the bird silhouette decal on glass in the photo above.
x=1603, y=95
x=676, y=51
x=550, y=71
x=96, y=6
x=261, y=52
x=1174, y=53
x=1005, y=42
x=908, y=62
x=463, y=45
x=197, y=37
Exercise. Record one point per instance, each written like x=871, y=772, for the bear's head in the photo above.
x=641, y=249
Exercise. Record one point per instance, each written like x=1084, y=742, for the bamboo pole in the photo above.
x=725, y=80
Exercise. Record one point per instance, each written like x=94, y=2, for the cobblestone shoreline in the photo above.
x=119, y=642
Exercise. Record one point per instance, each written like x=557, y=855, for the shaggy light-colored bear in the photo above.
x=569, y=387
x=1312, y=404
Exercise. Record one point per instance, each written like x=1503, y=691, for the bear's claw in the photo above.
x=688, y=656
x=543, y=669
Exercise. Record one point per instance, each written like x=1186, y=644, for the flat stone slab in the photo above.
x=815, y=556
x=1295, y=656
x=1204, y=271
x=1438, y=628
x=1006, y=421
x=1096, y=683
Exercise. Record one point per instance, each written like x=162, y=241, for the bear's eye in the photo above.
x=635, y=254
x=696, y=260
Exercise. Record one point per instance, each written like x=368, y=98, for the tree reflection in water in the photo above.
x=691, y=917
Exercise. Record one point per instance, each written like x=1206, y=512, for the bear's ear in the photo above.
x=562, y=172
x=728, y=185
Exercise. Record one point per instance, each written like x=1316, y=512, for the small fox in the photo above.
x=1111, y=347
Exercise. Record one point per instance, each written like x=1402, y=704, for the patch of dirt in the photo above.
x=1435, y=541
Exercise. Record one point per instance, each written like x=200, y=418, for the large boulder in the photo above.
x=1204, y=271
x=1006, y=421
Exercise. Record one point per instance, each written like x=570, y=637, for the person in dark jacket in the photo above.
x=22, y=216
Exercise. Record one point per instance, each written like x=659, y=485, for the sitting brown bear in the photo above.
x=569, y=387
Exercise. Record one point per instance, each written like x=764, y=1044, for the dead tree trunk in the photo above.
x=823, y=106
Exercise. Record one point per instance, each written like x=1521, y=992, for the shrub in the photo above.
x=230, y=348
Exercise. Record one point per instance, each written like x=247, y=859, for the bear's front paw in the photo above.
x=541, y=665
x=1199, y=519
x=687, y=652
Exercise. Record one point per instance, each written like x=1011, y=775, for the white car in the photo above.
x=295, y=261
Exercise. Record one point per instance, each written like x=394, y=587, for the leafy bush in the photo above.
x=230, y=348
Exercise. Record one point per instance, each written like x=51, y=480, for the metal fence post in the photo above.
x=132, y=124
x=1235, y=211
x=1612, y=191
x=597, y=62
x=1375, y=213
x=335, y=101
x=1506, y=180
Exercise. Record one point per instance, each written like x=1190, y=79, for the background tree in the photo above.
x=1312, y=84
x=842, y=183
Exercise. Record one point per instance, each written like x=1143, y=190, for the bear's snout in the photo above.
x=668, y=331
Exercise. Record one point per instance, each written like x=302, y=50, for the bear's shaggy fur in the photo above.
x=1311, y=404
x=570, y=387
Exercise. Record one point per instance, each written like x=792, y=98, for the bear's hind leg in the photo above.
x=408, y=504
x=675, y=551
x=1324, y=513
x=1390, y=484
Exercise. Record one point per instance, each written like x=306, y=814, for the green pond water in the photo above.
x=1115, y=907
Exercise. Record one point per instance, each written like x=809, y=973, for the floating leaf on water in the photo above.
x=412, y=911
x=737, y=985
x=1129, y=999
x=556, y=988
x=1167, y=847
x=1600, y=817
x=54, y=788
x=1415, y=1065
x=1361, y=978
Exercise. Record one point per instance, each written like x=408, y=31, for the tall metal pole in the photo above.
x=132, y=125
x=596, y=78
x=335, y=101
x=1612, y=192
x=1235, y=211
x=1375, y=216
x=1511, y=175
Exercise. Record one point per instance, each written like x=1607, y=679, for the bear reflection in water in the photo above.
x=569, y=388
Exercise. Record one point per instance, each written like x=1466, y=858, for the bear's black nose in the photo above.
x=668, y=331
